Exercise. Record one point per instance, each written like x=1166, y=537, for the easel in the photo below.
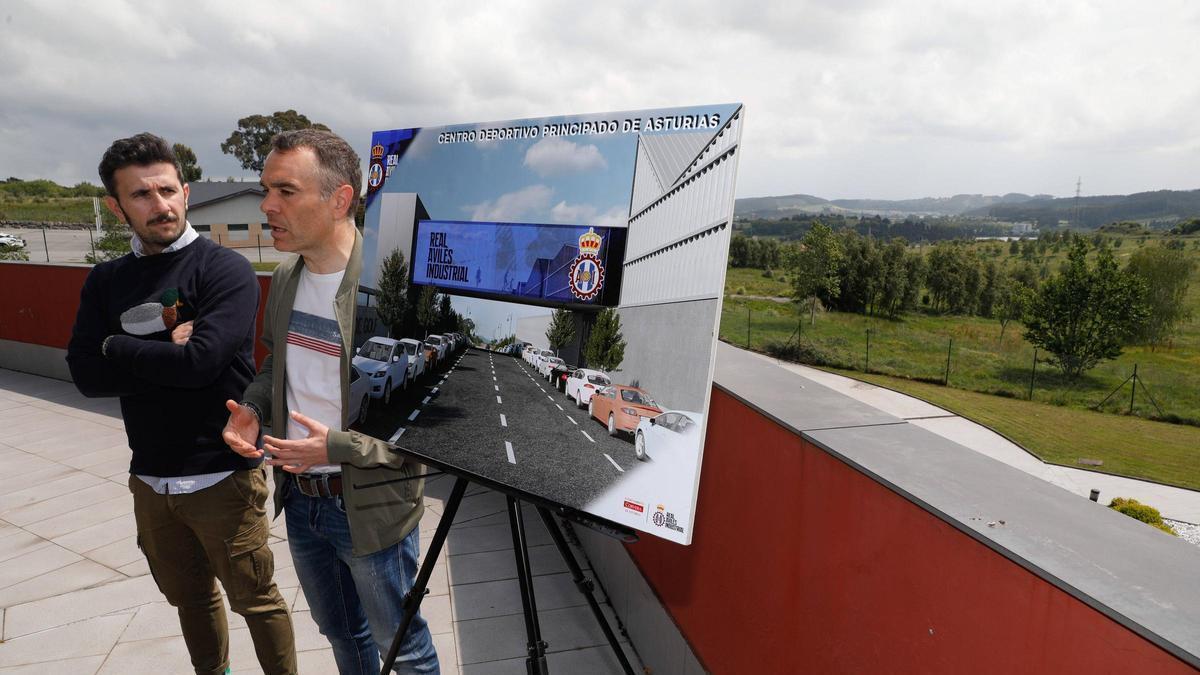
x=535, y=662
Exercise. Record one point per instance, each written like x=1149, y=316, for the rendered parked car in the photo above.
x=415, y=351
x=582, y=383
x=443, y=346
x=558, y=375
x=540, y=356
x=621, y=407
x=670, y=435
x=11, y=240
x=547, y=364
x=383, y=361
x=360, y=396
x=431, y=356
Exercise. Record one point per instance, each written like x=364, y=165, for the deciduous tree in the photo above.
x=250, y=143
x=187, y=163
x=1084, y=314
x=1165, y=271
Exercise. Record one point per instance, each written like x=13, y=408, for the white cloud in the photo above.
x=843, y=98
x=513, y=206
x=556, y=156
x=586, y=214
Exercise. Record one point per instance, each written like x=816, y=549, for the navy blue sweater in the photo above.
x=172, y=396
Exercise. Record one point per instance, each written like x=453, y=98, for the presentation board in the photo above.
x=553, y=325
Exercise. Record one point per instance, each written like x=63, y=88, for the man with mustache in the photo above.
x=169, y=328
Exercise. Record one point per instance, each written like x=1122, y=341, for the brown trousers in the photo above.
x=220, y=532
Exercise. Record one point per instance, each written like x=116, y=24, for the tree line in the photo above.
x=1083, y=313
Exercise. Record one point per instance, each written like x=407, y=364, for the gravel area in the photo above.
x=1186, y=531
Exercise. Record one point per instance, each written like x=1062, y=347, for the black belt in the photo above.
x=319, y=484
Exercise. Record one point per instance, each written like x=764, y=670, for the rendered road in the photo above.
x=494, y=416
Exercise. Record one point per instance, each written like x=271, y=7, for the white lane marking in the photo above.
x=493, y=378
x=585, y=435
x=610, y=459
x=498, y=400
x=443, y=381
x=433, y=391
x=503, y=421
x=550, y=397
x=572, y=420
x=397, y=435
x=414, y=414
x=512, y=459
x=497, y=387
x=425, y=400
x=558, y=406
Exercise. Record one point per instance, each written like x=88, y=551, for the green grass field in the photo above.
x=1128, y=446
x=52, y=209
x=752, y=282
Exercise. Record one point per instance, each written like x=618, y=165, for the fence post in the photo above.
x=92, y=241
x=1032, y=373
x=258, y=238
x=46, y=243
x=946, y=377
x=868, y=364
x=747, y=327
x=1133, y=390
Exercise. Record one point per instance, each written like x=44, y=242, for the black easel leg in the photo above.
x=412, y=600
x=585, y=586
x=535, y=664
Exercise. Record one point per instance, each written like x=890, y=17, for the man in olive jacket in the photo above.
x=352, y=505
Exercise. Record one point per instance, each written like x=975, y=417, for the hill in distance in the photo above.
x=1160, y=206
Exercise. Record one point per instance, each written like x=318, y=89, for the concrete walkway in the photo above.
x=76, y=595
x=1174, y=503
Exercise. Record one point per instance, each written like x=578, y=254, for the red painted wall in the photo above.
x=801, y=564
x=38, y=303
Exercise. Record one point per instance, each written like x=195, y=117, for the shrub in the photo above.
x=804, y=352
x=1139, y=511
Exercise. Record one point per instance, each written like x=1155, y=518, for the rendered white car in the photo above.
x=673, y=434
x=415, y=351
x=384, y=362
x=539, y=356
x=11, y=240
x=547, y=364
x=582, y=383
x=443, y=346
x=360, y=396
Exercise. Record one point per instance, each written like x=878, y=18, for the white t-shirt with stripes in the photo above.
x=314, y=350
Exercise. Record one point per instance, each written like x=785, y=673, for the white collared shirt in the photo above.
x=189, y=235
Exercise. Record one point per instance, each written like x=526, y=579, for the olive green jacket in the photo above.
x=382, y=496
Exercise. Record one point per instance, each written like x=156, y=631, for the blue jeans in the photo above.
x=356, y=601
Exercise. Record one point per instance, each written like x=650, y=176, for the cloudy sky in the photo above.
x=847, y=98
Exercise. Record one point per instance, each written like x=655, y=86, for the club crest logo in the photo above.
x=587, y=274
x=375, y=175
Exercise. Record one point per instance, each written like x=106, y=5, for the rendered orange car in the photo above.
x=620, y=407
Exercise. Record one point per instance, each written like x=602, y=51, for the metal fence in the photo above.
x=57, y=245
x=1153, y=384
